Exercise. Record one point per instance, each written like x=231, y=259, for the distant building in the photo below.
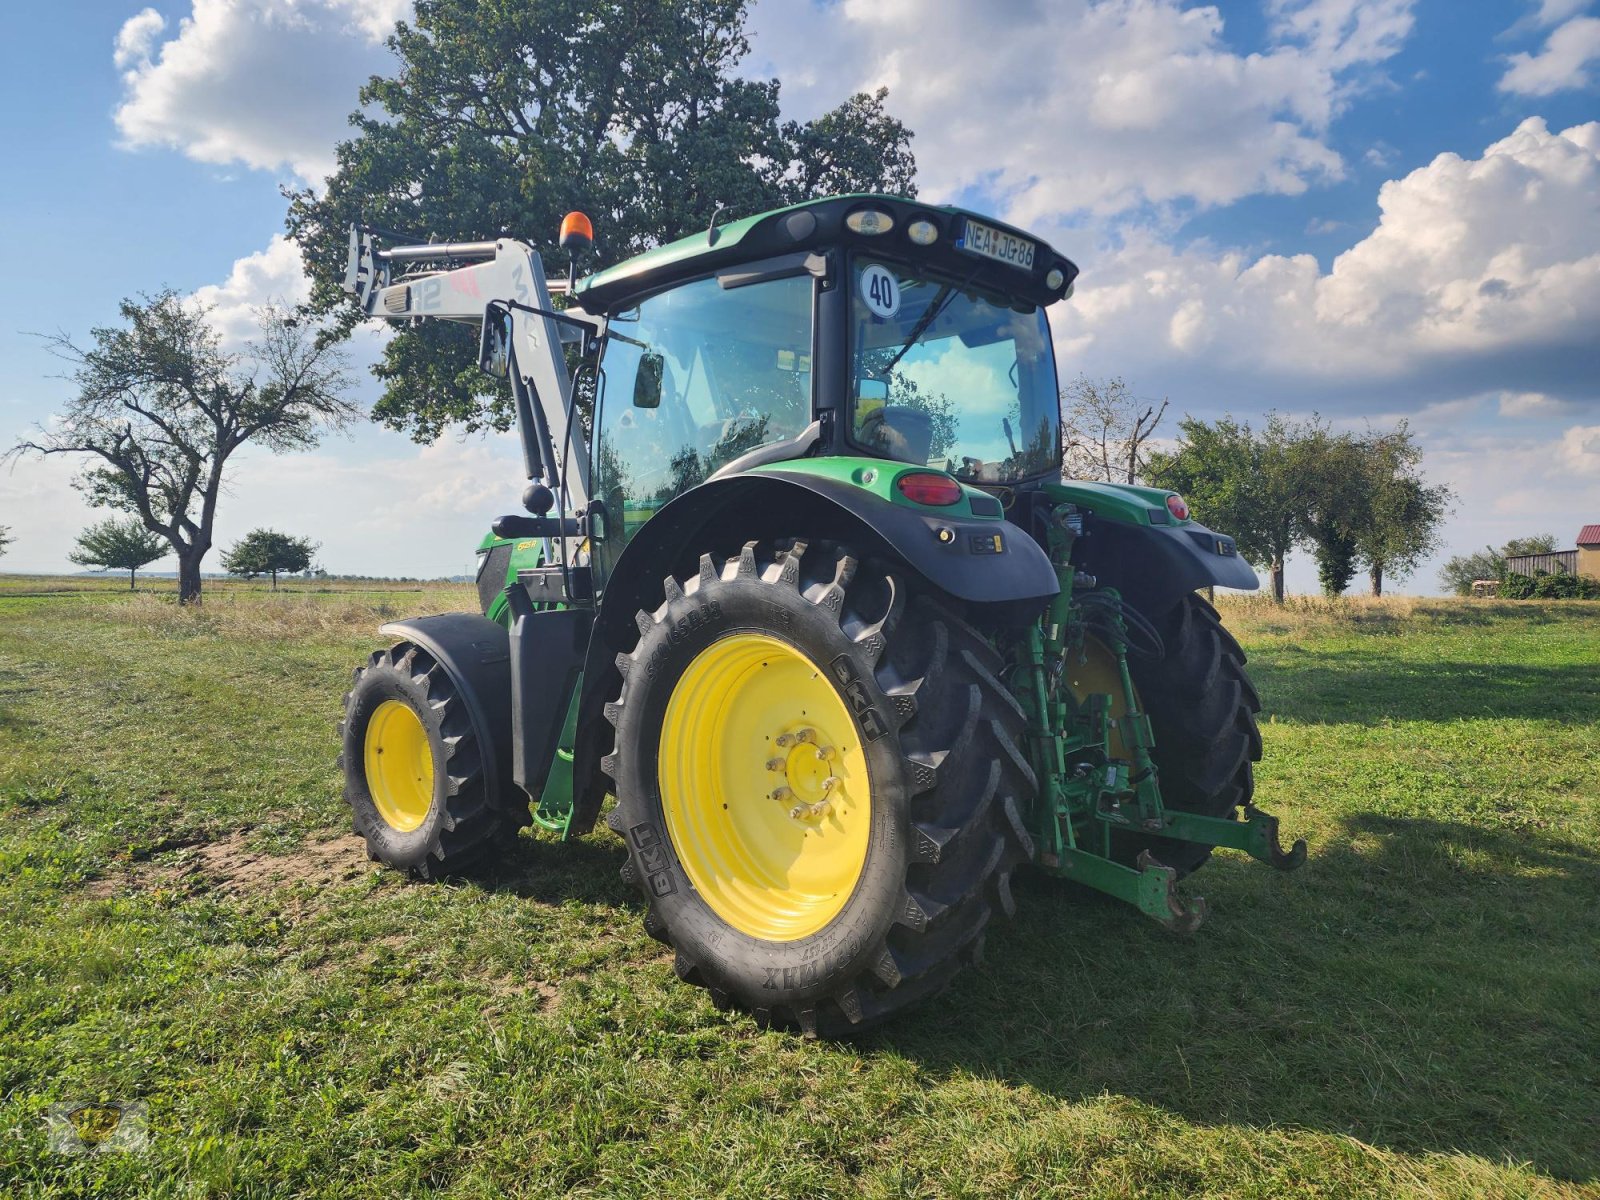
x=1583, y=560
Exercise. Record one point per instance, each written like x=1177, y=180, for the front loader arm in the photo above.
x=505, y=293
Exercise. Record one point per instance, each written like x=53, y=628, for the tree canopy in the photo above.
x=1243, y=482
x=119, y=543
x=1353, y=500
x=161, y=408
x=503, y=116
x=267, y=552
x=5, y=537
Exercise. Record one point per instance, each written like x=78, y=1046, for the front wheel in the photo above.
x=818, y=777
x=415, y=773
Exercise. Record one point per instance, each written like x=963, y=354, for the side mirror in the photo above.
x=494, y=344
x=647, y=382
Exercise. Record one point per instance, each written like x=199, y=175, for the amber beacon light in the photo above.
x=576, y=232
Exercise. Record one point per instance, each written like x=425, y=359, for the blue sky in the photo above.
x=1374, y=209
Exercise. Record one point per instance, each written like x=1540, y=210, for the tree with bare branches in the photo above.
x=161, y=408
x=1105, y=430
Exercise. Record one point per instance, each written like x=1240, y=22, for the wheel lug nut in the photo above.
x=783, y=795
x=786, y=739
x=776, y=764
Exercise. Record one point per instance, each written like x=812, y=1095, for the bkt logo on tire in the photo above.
x=855, y=691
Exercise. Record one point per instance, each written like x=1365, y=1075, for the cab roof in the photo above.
x=819, y=224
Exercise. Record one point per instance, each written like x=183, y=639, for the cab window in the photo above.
x=691, y=379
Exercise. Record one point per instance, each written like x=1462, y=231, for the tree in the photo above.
x=161, y=408
x=504, y=116
x=1331, y=469
x=1399, y=515
x=1247, y=484
x=266, y=552
x=1463, y=570
x=119, y=543
x=5, y=538
x=1539, y=543
x=1105, y=430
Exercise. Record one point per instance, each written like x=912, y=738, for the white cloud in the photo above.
x=1553, y=12
x=1481, y=273
x=274, y=276
x=1344, y=33
x=1564, y=62
x=1580, y=449
x=1089, y=107
x=137, y=38
x=266, y=83
x=1531, y=404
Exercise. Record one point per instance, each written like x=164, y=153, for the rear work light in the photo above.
x=925, y=487
x=870, y=221
x=1178, y=507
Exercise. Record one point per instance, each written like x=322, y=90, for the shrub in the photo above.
x=1545, y=586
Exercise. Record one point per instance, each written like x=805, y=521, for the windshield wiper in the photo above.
x=941, y=301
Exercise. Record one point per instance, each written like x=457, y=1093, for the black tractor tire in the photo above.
x=942, y=738
x=465, y=824
x=1202, y=710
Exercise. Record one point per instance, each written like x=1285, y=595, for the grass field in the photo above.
x=184, y=922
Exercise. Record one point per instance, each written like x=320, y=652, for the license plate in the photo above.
x=990, y=242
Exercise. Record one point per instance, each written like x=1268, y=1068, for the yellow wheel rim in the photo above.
x=1095, y=670
x=399, y=764
x=764, y=787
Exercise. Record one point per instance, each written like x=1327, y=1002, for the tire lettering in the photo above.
x=644, y=835
x=855, y=691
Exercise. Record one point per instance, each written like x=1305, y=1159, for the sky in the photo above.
x=1374, y=210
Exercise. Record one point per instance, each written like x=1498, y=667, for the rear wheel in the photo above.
x=818, y=779
x=414, y=768
x=1202, y=710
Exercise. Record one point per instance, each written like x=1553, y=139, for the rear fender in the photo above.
x=1015, y=580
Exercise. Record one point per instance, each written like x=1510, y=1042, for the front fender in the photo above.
x=476, y=653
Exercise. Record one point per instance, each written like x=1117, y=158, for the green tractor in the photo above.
x=800, y=583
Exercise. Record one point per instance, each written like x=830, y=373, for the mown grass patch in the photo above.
x=1414, y=1013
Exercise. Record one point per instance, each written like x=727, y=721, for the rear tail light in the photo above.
x=1178, y=507
x=926, y=487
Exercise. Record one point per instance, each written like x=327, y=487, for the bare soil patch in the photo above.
x=230, y=867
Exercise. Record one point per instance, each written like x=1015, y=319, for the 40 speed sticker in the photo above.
x=880, y=291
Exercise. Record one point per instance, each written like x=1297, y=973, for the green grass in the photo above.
x=1416, y=1012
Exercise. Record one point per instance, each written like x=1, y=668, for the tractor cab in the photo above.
x=856, y=326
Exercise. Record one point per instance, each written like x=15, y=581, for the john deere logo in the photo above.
x=98, y=1127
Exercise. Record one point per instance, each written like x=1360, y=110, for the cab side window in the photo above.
x=734, y=372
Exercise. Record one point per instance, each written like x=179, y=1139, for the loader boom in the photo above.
x=499, y=286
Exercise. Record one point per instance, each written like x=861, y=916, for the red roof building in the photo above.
x=1589, y=535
